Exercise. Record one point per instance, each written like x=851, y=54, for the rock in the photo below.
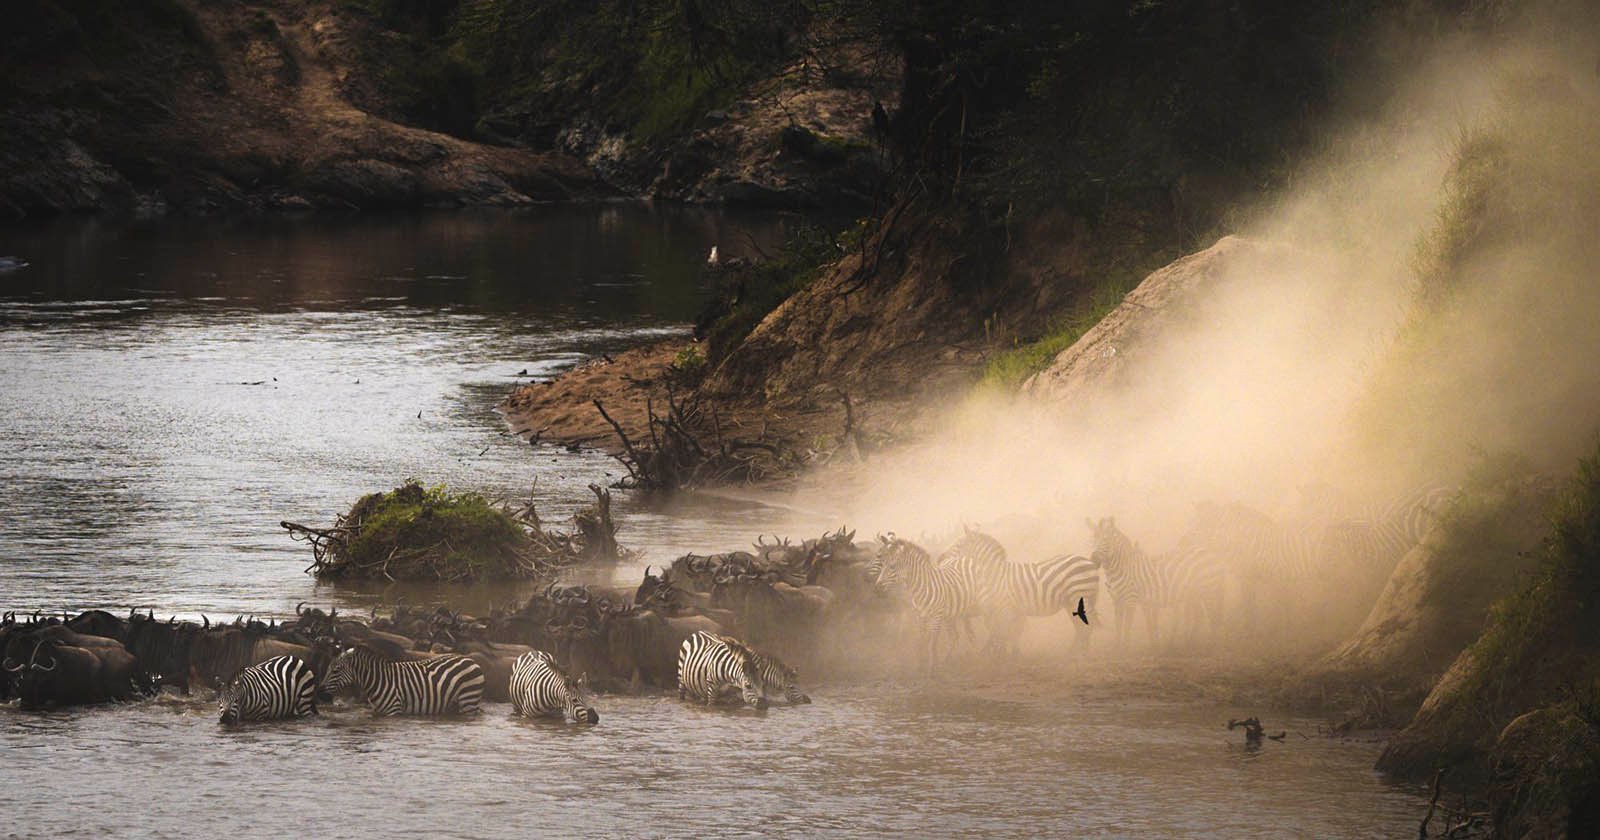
x=365, y=183
x=798, y=140
x=1545, y=769
x=1107, y=356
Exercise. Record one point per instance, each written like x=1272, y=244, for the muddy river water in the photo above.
x=169, y=391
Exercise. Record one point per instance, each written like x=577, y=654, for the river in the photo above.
x=170, y=390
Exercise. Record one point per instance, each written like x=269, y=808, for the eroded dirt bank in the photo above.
x=203, y=107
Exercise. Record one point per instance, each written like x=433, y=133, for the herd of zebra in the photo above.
x=1351, y=553
x=712, y=669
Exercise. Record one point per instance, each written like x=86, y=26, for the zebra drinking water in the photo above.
x=1008, y=592
x=451, y=684
x=1139, y=581
x=540, y=688
x=281, y=687
x=712, y=668
x=777, y=677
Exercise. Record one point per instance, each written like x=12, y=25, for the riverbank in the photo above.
x=195, y=108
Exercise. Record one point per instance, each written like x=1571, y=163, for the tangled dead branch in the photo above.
x=687, y=448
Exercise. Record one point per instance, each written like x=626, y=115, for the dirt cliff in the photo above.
x=201, y=107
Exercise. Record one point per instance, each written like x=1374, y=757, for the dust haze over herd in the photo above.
x=1421, y=297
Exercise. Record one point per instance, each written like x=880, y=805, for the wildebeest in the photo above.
x=65, y=669
x=642, y=647
x=100, y=623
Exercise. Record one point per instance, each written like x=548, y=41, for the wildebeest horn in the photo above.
x=300, y=608
x=9, y=667
x=647, y=571
x=172, y=619
x=207, y=620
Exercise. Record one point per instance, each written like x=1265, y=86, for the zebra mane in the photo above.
x=908, y=546
x=741, y=649
x=385, y=649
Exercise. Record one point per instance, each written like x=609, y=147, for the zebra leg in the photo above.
x=1004, y=635
x=934, y=629
x=1080, y=635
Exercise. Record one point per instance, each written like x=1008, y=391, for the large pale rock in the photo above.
x=1108, y=356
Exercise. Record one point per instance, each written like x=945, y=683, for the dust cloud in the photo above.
x=1422, y=292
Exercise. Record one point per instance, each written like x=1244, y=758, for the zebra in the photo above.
x=712, y=668
x=1008, y=592
x=1365, y=548
x=281, y=687
x=450, y=684
x=1272, y=560
x=777, y=677
x=540, y=688
x=942, y=597
x=1139, y=581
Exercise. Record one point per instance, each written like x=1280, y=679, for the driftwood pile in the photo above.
x=688, y=447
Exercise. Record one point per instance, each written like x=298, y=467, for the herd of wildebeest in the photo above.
x=717, y=627
x=780, y=598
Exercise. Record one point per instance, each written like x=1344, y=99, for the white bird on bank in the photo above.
x=712, y=258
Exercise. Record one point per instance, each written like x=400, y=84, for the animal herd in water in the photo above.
x=689, y=625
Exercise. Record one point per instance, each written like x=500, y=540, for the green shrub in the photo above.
x=426, y=534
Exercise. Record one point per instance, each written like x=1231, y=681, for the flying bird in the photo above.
x=1081, y=613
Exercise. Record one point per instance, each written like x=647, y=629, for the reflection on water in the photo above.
x=170, y=391
x=1011, y=758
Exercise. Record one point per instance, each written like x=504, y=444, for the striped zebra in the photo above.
x=778, y=678
x=450, y=684
x=1189, y=577
x=713, y=668
x=281, y=687
x=943, y=597
x=539, y=688
x=1381, y=535
x=1008, y=592
x=1274, y=562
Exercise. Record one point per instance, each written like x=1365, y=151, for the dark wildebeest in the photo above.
x=217, y=654
x=59, y=673
x=642, y=647
x=100, y=623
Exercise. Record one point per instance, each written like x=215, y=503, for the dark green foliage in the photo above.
x=417, y=533
x=649, y=66
x=1541, y=645
x=160, y=37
